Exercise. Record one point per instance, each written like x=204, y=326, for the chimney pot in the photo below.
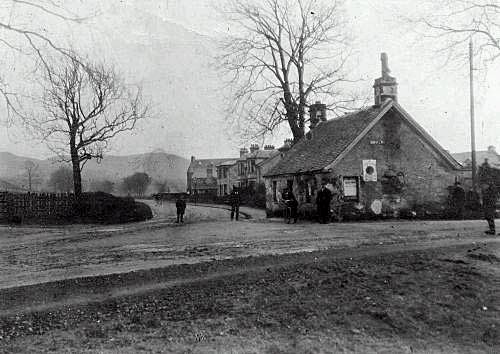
x=243, y=151
x=254, y=147
x=192, y=158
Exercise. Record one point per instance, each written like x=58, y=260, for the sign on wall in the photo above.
x=370, y=170
x=351, y=188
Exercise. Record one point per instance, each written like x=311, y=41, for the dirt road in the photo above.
x=253, y=286
x=30, y=255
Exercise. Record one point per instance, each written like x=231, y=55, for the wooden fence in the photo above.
x=18, y=207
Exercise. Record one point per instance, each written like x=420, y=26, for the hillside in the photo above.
x=160, y=166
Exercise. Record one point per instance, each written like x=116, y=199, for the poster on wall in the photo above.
x=350, y=185
x=370, y=170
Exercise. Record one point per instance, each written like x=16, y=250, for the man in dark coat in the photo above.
x=458, y=199
x=490, y=195
x=235, y=201
x=180, y=205
x=323, y=199
x=291, y=202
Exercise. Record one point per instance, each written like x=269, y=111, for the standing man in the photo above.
x=323, y=199
x=490, y=195
x=235, y=201
x=180, y=205
x=458, y=200
x=291, y=202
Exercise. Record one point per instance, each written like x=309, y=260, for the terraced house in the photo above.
x=377, y=160
x=202, y=176
x=244, y=172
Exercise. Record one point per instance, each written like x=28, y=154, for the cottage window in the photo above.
x=224, y=172
x=275, y=188
x=209, y=172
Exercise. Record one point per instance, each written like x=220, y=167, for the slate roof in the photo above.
x=328, y=140
x=465, y=158
x=331, y=139
x=228, y=163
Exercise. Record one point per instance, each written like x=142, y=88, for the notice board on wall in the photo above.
x=351, y=188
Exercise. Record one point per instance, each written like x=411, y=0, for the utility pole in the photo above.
x=472, y=122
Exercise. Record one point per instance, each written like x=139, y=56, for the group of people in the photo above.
x=489, y=194
x=234, y=201
x=323, y=199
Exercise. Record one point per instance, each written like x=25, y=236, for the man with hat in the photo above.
x=323, y=199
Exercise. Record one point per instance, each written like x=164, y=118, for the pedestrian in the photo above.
x=490, y=196
x=235, y=201
x=291, y=202
x=323, y=199
x=458, y=200
x=180, y=205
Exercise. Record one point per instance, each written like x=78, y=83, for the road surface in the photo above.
x=31, y=255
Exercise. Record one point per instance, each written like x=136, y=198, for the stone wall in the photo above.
x=18, y=207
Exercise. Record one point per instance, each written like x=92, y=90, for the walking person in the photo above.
x=235, y=201
x=291, y=202
x=180, y=205
x=323, y=199
x=490, y=196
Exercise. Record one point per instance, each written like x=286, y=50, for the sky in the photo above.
x=436, y=96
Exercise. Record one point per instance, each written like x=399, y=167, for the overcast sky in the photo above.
x=437, y=97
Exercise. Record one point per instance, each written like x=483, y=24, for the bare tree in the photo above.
x=31, y=171
x=451, y=24
x=281, y=54
x=23, y=32
x=85, y=106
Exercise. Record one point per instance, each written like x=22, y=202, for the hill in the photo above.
x=161, y=166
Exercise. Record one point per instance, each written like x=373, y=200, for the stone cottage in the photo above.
x=378, y=160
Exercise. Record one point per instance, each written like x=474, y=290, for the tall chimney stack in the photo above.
x=254, y=147
x=386, y=86
x=317, y=113
x=243, y=151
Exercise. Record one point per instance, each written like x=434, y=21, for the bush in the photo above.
x=102, y=207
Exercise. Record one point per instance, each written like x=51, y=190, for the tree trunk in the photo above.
x=77, y=175
x=293, y=117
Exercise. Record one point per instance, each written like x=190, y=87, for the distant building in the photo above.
x=377, y=160
x=202, y=176
x=243, y=172
x=227, y=175
x=490, y=155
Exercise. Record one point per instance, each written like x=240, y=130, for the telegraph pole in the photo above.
x=472, y=122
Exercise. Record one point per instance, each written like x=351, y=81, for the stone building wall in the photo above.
x=399, y=153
